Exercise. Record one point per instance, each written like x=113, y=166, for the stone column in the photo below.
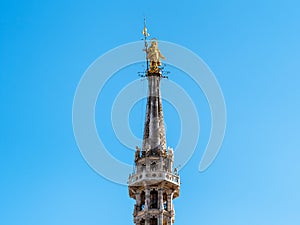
x=137, y=205
x=138, y=198
x=161, y=207
x=147, y=198
x=160, y=218
x=170, y=205
x=160, y=199
x=147, y=220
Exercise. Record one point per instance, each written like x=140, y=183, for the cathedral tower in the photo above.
x=154, y=184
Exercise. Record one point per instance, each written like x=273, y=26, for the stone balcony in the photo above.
x=153, y=177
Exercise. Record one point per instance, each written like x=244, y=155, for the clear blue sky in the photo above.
x=252, y=47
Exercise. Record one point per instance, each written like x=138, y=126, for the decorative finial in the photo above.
x=145, y=33
x=153, y=54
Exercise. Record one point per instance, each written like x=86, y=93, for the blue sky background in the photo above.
x=252, y=47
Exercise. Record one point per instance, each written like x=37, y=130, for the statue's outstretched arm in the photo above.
x=162, y=56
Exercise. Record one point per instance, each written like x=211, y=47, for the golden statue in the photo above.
x=154, y=55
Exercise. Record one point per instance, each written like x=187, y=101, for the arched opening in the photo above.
x=143, y=167
x=142, y=205
x=153, y=221
x=153, y=199
x=153, y=166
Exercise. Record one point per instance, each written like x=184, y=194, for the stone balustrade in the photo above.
x=154, y=175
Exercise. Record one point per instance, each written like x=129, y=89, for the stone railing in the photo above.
x=154, y=175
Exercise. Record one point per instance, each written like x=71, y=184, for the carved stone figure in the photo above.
x=137, y=153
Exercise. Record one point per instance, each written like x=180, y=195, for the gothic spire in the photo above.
x=154, y=140
x=153, y=183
